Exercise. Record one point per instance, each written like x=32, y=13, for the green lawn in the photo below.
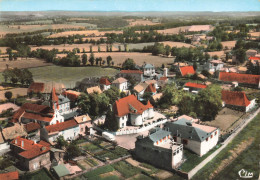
x=142, y=177
x=41, y=174
x=247, y=160
x=69, y=75
x=97, y=172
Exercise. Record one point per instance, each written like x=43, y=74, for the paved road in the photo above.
x=228, y=140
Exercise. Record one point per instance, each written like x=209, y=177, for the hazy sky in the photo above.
x=130, y=5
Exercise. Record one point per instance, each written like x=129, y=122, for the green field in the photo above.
x=41, y=174
x=247, y=160
x=69, y=75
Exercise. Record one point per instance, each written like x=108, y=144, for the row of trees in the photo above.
x=23, y=76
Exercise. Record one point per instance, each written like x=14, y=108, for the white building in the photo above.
x=129, y=109
x=149, y=70
x=120, y=83
x=104, y=84
x=195, y=137
x=214, y=65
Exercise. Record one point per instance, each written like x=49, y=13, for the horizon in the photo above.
x=130, y=5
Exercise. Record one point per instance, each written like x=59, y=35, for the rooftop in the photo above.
x=93, y=90
x=237, y=98
x=187, y=70
x=12, y=132
x=83, y=118
x=131, y=72
x=104, y=81
x=241, y=78
x=195, y=85
x=36, y=87
x=61, y=126
x=119, y=80
x=10, y=176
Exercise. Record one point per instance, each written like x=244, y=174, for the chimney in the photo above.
x=22, y=144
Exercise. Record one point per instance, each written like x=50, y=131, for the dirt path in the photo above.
x=234, y=154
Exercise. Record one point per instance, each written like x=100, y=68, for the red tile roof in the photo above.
x=36, y=87
x=254, y=58
x=31, y=127
x=126, y=105
x=131, y=72
x=39, y=117
x=150, y=88
x=163, y=78
x=30, y=149
x=54, y=96
x=195, y=85
x=10, y=176
x=61, y=126
x=104, y=81
x=240, y=78
x=186, y=70
x=72, y=96
x=32, y=108
x=237, y=98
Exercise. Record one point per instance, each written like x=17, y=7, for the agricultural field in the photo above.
x=140, y=22
x=228, y=44
x=176, y=44
x=218, y=53
x=69, y=75
x=174, y=30
x=16, y=92
x=22, y=63
x=139, y=58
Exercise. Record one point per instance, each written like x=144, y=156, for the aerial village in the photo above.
x=147, y=121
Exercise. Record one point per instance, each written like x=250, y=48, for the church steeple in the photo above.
x=54, y=99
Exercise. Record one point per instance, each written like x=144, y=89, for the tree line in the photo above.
x=14, y=76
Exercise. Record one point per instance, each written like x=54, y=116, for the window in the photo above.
x=175, y=138
x=216, y=133
x=207, y=139
x=211, y=136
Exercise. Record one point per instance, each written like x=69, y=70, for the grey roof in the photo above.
x=146, y=66
x=70, y=115
x=183, y=128
x=63, y=99
x=159, y=134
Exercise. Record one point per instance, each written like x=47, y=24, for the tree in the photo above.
x=113, y=94
x=119, y=48
x=84, y=102
x=240, y=55
x=129, y=64
x=61, y=142
x=84, y=59
x=167, y=50
x=126, y=47
x=109, y=59
x=72, y=151
x=91, y=59
x=8, y=95
x=186, y=104
x=111, y=48
x=208, y=102
x=195, y=66
x=98, y=48
x=206, y=56
x=90, y=49
x=110, y=121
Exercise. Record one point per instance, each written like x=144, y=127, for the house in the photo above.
x=186, y=70
x=151, y=89
x=36, y=87
x=162, y=81
x=251, y=53
x=159, y=150
x=9, y=176
x=69, y=130
x=87, y=83
x=130, y=110
x=104, y=84
x=31, y=156
x=237, y=100
x=195, y=137
x=17, y=130
x=85, y=125
x=121, y=84
x=32, y=129
x=214, y=65
x=140, y=88
x=254, y=60
x=95, y=89
x=148, y=69
x=244, y=79
x=137, y=75
x=194, y=87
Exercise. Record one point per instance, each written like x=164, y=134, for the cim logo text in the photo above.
x=245, y=174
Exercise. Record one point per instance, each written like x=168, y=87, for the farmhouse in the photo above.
x=129, y=109
x=148, y=70
x=36, y=87
x=165, y=153
x=68, y=129
x=121, y=84
x=194, y=87
x=135, y=74
x=244, y=79
x=31, y=156
x=104, y=84
x=147, y=86
x=237, y=100
x=186, y=70
x=195, y=137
